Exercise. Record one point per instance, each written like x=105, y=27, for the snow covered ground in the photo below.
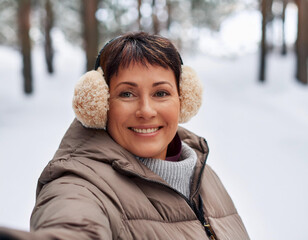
x=257, y=134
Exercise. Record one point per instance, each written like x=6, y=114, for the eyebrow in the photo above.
x=160, y=83
x=136, y=85
x=127, y=83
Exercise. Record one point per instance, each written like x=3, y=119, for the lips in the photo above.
x=145, y=130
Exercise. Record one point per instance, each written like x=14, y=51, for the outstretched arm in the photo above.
x=66, y=208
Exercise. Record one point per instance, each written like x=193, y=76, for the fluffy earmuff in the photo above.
x=190, y=94
x=90, y=101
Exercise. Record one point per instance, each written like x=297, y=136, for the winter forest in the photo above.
x=250, y=55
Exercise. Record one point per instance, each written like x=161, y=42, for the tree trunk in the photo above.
x=24, y=10
x=283, y=18
x=90, y=31
x=302, y=41
x=263, y=41
x=49, y=53
x=154, y=18
x=169, y=10
x=139, y=15
x=299, y=29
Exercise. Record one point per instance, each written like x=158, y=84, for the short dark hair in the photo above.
x=139, y=47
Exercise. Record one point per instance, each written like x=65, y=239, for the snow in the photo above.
x=257, y=134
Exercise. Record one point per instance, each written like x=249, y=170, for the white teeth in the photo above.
x=148, y=130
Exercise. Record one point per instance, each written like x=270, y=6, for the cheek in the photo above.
x=111, y=114
x=118, y=115
x=172, y=112
x=114, y=117
x=116, y=110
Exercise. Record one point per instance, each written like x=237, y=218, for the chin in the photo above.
x=147, y=154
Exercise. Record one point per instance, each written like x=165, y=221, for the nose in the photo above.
x=146, y=108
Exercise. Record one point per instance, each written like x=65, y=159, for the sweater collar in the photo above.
x=176, y=173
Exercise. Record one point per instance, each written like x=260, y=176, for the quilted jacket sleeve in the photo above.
x=66, y=208
x=71, y=203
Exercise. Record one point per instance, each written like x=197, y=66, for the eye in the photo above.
x=161, y=94
x=126, y=94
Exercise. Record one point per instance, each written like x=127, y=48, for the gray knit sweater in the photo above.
x=176, y=174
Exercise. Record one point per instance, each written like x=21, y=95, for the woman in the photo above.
x=124, y=169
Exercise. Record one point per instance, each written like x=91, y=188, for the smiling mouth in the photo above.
x=144, y=130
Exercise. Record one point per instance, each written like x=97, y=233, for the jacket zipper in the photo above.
x=198, y=211
x=207, y=227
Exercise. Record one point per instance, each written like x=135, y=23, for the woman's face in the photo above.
x=144, y=109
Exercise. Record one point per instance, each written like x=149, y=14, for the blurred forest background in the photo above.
x=90, y=23
x=251, y=56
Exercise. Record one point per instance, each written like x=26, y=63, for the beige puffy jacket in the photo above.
x=95, y=189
